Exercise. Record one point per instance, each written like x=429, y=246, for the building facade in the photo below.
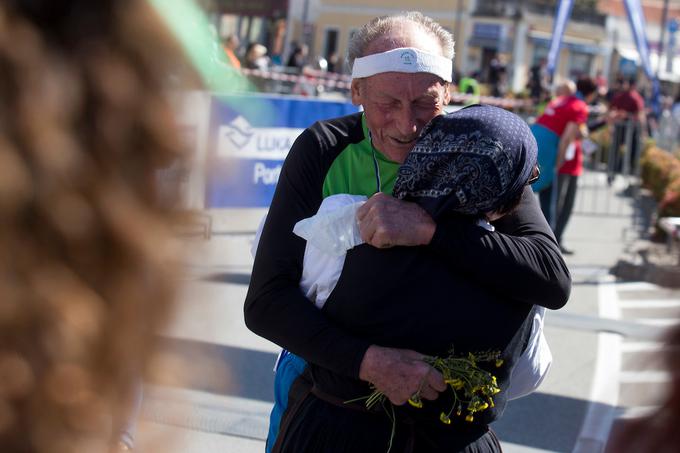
x=516, y=33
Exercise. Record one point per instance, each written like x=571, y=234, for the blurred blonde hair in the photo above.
x=87, y=269
x=565, y=88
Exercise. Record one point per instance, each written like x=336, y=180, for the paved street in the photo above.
x=603, y=342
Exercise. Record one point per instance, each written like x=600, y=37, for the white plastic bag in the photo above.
x=534, y=363
x=334, y=229
x=327, y=244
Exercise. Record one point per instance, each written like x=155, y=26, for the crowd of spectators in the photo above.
x=308, y=75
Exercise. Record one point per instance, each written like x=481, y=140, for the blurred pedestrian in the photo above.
x=566, y=88
x=469, y=85
x=538, y=80
x=615, y=88
x=256, y=57
x=562, y=122
x=86, y=275
x=571, y=167
x=334, y=63
x=602, y=85
x=231, y=46
x=298, y=59
x=497, y=76
x=675, y=108
x=627, y=109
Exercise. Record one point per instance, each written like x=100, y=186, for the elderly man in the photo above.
x=401, y=72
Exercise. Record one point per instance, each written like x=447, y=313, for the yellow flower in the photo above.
x=457, y=384
x=415, y=402
x=499, y=362
x=469, y=418
x=444, y=419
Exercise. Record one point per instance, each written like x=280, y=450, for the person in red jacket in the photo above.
x=558, y=132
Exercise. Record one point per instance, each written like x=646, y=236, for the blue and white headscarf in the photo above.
x=471, y=162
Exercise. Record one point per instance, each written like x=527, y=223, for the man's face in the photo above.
x=397, y=106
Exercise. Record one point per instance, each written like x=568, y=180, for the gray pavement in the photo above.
x=223, y=403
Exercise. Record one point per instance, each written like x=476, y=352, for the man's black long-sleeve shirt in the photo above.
x=520, y=262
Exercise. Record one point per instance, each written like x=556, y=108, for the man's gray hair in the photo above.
x=380, y=26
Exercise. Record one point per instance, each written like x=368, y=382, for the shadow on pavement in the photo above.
x=228, y=277
x=219, y=369
x=542, y=421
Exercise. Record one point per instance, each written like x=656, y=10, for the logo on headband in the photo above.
x=408, y=57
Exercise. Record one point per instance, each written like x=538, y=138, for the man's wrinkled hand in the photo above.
x=385, y=221
x=400, y=373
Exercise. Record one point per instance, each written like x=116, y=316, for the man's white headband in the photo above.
x=403, y=59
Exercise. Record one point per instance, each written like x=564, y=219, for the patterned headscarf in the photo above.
x=471, y=162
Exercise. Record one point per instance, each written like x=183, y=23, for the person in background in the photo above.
x=562, y=122
x=675, y=117
x=602, y=84
x=231, y=45
x=334, y=63
x=571, y=167
x=675, y=107
x=627, y=109
x=538, y=81
x=256, y=57
x=497, y=76
x=615, y=88
x=277, y=40
x=566, y=88
x=470, y=86
x=87, y=261
x=298, y=59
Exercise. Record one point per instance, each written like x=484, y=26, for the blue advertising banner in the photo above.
x=637, y=24
x=561, y=17
x=249, y=138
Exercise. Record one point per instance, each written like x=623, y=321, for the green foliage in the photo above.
x=658, y=168
x=670, y=204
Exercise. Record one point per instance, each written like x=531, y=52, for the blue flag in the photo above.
x=561, y=17
x=637, y=25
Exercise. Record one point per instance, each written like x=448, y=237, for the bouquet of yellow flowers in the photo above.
x=472, y=387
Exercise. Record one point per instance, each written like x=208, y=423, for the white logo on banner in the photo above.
x=239, y=139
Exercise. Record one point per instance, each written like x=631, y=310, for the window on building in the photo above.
x=540, y=53
x=330, y=40
x=228, y=25
x=579, y=64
